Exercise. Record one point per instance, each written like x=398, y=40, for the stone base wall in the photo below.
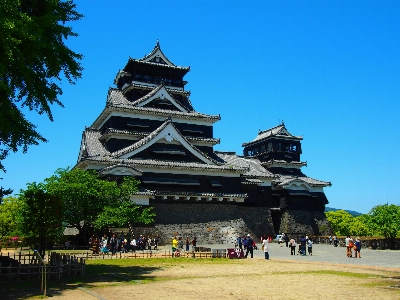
x=305, y=221
x=223, y=223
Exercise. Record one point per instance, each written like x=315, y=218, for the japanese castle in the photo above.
x=149, y=129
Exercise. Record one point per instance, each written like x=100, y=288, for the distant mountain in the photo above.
x=352, y=212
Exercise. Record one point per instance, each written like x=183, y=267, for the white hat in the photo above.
x=248, y=234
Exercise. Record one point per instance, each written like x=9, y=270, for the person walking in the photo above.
x=174, y=245
x=249, y=246
x=265, y=247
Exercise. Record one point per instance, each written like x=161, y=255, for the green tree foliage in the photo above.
x=32, y=57
x=121, y=215
x=85, y=195
x=9, y=215
x=340, y=221
x=41, y=216
x=385, y=220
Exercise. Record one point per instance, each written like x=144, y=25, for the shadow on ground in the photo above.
x=96, y=275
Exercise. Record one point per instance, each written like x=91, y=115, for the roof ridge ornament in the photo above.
x=158, y=44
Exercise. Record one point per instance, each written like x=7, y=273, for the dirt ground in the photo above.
x=235, y=279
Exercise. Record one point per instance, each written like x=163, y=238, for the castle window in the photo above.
x=262, y=148
x=279, y=146
x=269, y=147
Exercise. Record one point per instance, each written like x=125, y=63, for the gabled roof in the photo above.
x=166, y=131
x=111, y=132
x=277, y=131
x=157, y=57
x=120, y=169
x=287, y=181
x=255, y=169
x=116, y=101
x=160, y=92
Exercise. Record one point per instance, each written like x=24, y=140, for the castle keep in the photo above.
x=150, y=130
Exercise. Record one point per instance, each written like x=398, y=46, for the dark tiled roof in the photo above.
x=274, y=131
x=199, y=194
x=109, y=132
x=284, y=180
x=116, y=101
x=137, y=86
x=282, y=163
x=155, y=133
x=253, y=164
x=153, y=92
x=92, y=143
x=157, y=51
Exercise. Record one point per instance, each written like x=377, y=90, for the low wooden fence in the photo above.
x=28, y=266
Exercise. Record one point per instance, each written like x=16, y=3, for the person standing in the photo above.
x=347, y=244
x=239, y=242
x=357, y=250
x=286, y=237
x=194, y=244
x=113, y=244
x=265, y=246
x=310, y=243
x=292, y=244
x=187, y=242
x=133, y=244
x=303, y=242
x=249, y=246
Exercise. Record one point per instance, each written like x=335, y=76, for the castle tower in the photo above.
x=149, y=129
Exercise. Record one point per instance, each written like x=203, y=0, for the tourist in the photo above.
x=180, y=244
x=113, y=244
x=174, y=245
x=249, y=246
x=239, y=242
x=187, y=242
x=104, y=243
x=292, y=244
x=133, y=244
x=149, y=241
x=286, y=238
x=194, y=244
x=303, y=242
x=348, y=247
x=156, y=243
x=335, y=241
x=357, y=249
x=244, y=242
x=265, y=247
x=310, y=243
x=330, y=240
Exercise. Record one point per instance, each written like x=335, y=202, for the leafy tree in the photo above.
x=40, y=216
x=121, y=215
x=8, y=216
x=359, y=227
x=340, y=221
x=385, y=220
x=32, y=57
x=85, y=195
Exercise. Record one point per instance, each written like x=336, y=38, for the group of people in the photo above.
x=114, y=243
x=353, y=245
x=177, y=245
x=333, y=239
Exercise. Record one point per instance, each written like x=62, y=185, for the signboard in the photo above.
x=235, y=253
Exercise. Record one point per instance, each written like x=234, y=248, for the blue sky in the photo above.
x=329, y=69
